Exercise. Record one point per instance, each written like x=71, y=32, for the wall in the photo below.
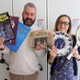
x=58, y=7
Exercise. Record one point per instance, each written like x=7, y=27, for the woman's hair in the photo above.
x=70, y=24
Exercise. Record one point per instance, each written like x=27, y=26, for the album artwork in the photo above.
x=5, y=27
x=14, y=23
x=40, y=40
x=41, y=36
x=22, y=33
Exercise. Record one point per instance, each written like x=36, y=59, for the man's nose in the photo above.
x=29, y=16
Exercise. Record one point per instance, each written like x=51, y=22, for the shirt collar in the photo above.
x=32, y=27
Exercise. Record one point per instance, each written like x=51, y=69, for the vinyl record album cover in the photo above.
x=41, y=36
x=22, y=33
x=5, y=27
x=14, y=23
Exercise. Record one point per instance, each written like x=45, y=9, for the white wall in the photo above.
x=58, y=7
x=6, y=6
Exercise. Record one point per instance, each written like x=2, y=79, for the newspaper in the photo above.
x=41, y=36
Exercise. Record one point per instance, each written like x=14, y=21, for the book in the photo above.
x=5, y=27
x=22, y=33
x=41, y=36
x=14, y=22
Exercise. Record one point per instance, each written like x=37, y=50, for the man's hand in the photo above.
x=1, y=43
x=40, y=47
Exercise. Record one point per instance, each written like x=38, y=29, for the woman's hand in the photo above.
x=53, y=54
x=75, y=53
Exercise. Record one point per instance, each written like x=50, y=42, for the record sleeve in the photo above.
x=41, y=36
x=5, y=27
x=14, y=23
x=22, y=33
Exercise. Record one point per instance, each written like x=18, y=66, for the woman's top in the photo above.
x=69, y=70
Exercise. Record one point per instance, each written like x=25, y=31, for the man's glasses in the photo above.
x=65, y=23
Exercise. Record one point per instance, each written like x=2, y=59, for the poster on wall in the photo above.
x=75, y=24
x=40, y=23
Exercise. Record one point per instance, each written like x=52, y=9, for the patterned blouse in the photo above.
x=69, y=72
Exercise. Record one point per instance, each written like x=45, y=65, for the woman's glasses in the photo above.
x=65, y=23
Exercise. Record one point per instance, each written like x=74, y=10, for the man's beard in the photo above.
x=30, y=23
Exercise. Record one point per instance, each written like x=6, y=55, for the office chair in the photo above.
x=3, y=61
